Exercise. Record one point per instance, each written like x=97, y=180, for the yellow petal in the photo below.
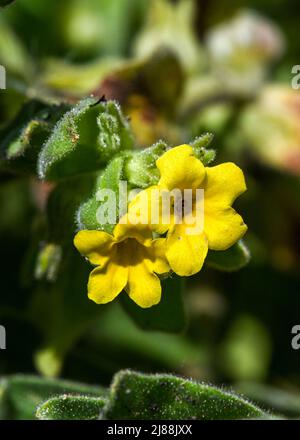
x=222, y=225
x=179, y=168
x=147, y=208
x=125, y=229
x=223, y=228
x=106, y=283
x=223, y=184
x=95, y=245
x=156, y=257
x=186, y=252
x=143, y=286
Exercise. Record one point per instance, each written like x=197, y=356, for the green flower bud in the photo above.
x=201, y=152
x=271, y=128
x=48, y=262
x=140, y=168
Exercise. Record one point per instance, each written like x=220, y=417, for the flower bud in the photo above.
x=141, y=170
x=272, y=128
x=241, y=49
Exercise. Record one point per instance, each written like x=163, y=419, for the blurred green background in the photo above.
x=179, y=68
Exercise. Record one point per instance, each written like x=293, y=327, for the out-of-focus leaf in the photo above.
x=16, y=208
x=234, y=258
x=121, y=79
x=62, y=206
x=125, y=345
x=101, y=26
x=136, y=396
x=77, y=79
x=62, y=311
x=241, y=356
x=13, y=54
x=23, y=393
x=60, y=308
x=85, y=139
x=66, y=407
x=22, y=139
x=138, y=79
x=5, y=2
x=168, y=316
x=277, y=400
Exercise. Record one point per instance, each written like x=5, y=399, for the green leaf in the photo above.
x=126, y=345
x=140, y=168
x=234, y=258
x=76, y=79
x=68, y=407
x=168, y=316
x=84, y=140
x=23, y=393
x=108, y=179
x=136, y=396
x=22, y=139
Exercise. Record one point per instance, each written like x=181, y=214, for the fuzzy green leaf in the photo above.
x=138, y=396
x=234, y=258
x=22, y=139
x=68, y=407
x=23, y=393
x=168, y=316
x=85, y=139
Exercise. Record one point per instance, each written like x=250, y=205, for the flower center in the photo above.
x=131, y=252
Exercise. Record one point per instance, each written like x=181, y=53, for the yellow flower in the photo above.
x=222, y=184
x=129, y=259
